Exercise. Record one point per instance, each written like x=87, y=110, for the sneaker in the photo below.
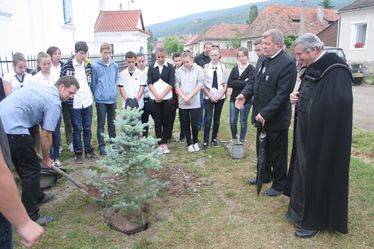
x=191, y=148
x=91, y=155
x=214, y=142
x=47, y=197
x=57, y=163
x=78, y=159
x=44, y=220
x=160, y=149
x=196, y=147
x=205, y=146
x=71, y=147
x=166, y=149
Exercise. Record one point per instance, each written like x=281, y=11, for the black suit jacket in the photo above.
x=167, y=74
x=273, y=84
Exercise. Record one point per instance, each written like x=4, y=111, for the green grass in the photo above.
x=226, y=214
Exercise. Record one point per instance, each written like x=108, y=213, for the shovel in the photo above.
x=81, y=186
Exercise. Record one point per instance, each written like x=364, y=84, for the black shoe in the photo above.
x=47, y=197
x=44, y=220
x=253, y=181
x=205, y=146
x=214, y=142
x=91, y=155
x=78, y=159
x=305, y=233
x=102, y=151
x=272, y=192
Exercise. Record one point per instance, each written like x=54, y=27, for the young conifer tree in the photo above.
x=126, y=185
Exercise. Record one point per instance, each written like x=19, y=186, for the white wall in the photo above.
x=122, y=41
x=347, y=20
x=32, y=26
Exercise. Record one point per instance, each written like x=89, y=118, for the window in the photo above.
x=67, y=8
x=249, y=46
x=359, y=33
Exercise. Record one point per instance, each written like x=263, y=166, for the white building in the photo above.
x=356, y=31
x=32, y=26
x=124, y=29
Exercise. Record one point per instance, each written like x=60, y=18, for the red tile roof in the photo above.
x=287, y=19
x=193, y=39
x=224, y=31
x=120, y=21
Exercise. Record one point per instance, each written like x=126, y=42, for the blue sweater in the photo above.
x=104, y=82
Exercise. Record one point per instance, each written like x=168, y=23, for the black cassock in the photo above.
x=319, y=167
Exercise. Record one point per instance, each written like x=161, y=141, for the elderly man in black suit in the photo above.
x=274, y=82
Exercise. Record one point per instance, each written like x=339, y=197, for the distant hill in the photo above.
x=199, y=22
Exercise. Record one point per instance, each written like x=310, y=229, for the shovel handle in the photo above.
x=71, y=179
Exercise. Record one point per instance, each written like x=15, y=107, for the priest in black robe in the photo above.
x=319, y=167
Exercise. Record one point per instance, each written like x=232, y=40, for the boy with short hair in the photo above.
x=131, y=83
x=104, y=89
x=81, y=105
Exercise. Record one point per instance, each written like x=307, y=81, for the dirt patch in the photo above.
x=127, y=224
x=180, y=182
x=367, y=157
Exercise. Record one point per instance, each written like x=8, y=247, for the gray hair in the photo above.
x=309, y=41
x=276, y=36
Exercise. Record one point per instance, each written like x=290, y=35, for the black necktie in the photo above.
x=215, y=79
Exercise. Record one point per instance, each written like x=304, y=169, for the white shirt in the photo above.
x=17, y=82
x=55, y=72
x=39, y=78
x=221, y=78
x=131, y=84
x=146, y=89
x=83, y=97
x=160, y=67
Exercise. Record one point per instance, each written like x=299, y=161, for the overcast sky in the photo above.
x=155, y=11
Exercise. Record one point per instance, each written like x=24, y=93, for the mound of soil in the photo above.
x=180, y=182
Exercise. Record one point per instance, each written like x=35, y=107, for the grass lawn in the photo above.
x=226, y=214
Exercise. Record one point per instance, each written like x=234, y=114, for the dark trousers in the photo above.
x=145, y=115
x=212, y=112
x=107, y=111
x=56, y=141
x=201, y=114
x=276, y=149
x=27, y=166
x=189, y=121
x=161, y=115
x=173, y=114
x=81, y=119
x=6, y=235
x=66, y=109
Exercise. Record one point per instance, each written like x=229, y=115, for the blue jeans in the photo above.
x=6, y=240
x=212, y=112
x=108, y=111
x=234, y=113
x=81, y=119
x=56, y=141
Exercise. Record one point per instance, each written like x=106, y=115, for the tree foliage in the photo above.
x=327, y=4
x=236, y=40
x=123, y=182
x=253, y=13
x=172, y=45
x=288, y=40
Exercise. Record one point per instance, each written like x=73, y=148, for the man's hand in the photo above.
x=239, y=101
x=294, y=97
x=260, y=119
x=47, y=163
x=31, y=233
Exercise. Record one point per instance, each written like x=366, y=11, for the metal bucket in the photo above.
x=235, y=148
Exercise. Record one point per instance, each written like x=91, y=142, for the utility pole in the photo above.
x=302, y=17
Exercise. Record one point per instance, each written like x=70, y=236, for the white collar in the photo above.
x=272, y=57
x=156, y=64
x=319, y=57
x=75, y=63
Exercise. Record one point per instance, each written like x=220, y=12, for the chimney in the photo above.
x=320, y=13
